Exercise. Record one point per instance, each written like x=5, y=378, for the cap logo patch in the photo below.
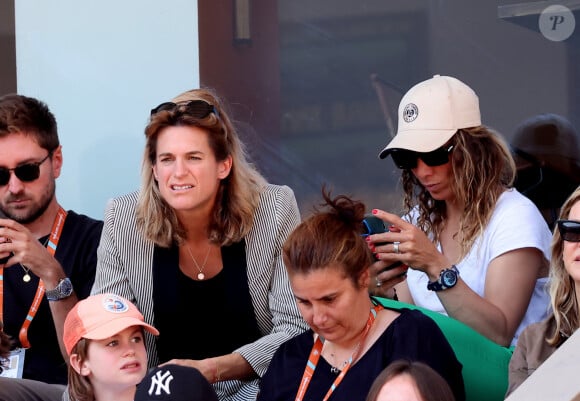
x=115, y=305
x=410, y=112
x=160, y=383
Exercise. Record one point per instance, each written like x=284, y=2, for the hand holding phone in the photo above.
x=373, y=225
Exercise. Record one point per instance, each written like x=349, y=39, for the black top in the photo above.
x=412, y=335
x=77, y=254
x=193, y=317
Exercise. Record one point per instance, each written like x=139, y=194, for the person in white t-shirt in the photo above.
x=472, y=246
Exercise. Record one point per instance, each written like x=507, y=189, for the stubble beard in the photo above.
x=35, y=211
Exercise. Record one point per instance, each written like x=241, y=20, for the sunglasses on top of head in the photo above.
x=569, y=230
x=196, y=108
x=27, y=172
x=407, y=159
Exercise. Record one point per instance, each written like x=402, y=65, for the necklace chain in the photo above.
x=200, y=275
x=337, y=368
x=26, y=277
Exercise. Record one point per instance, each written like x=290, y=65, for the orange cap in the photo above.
x=101, y=316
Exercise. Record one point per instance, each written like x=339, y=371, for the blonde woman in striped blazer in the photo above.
x=199, y=246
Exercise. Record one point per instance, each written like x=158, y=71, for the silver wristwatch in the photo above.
x=63, y=290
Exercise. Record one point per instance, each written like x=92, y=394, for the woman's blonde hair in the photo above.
x=238, y=195
x=562, y=287
x=483, y=168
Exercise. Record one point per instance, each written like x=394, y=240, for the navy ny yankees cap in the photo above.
x=176, y=383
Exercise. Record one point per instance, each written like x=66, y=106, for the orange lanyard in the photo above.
x=52, y=243
x=315, y=356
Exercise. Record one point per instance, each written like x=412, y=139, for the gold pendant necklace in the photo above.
x=200, y=275
x=26, y=277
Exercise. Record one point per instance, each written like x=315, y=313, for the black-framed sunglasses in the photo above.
x=196, y=108
x=27, y=172
x=407, y=159
x=569, y=230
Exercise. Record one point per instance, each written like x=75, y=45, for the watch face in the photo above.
x=66, y=287
x=63, y=290
x=449, y=278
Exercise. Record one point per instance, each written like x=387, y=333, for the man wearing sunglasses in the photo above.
x=47, y=254
x=476, y=248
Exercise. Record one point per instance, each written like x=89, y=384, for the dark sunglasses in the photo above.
x=569, y=230
x=407, y=159
x=25, y=172
x=196, y=108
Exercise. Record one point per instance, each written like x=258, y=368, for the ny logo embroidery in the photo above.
x=160, y=382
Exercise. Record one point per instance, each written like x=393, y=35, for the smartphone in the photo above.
x=373, y=225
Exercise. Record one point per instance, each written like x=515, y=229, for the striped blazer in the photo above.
x=124, y=267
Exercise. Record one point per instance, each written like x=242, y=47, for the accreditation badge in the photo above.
x=13, y=365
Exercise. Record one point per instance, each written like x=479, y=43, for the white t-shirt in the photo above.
x=515, y=223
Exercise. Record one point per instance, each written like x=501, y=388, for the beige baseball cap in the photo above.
x=431, y=112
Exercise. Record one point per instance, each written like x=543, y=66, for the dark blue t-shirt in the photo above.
x=412, y=336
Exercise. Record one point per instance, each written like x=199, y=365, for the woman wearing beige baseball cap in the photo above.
x=476, y=248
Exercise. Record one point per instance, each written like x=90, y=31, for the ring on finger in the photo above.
x=396, y=247
x=378, y=282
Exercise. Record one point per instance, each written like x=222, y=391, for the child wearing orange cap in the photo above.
x=103, y=336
